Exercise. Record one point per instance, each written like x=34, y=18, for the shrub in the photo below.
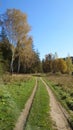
x=69, y=103
x=71, y=94
x=64, y=96
x=71, y=122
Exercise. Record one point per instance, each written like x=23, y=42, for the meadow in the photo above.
x=14, y=92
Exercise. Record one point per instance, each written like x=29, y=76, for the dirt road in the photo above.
x=56, y=111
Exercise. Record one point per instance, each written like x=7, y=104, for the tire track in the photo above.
x=57, y=112
x=21, y=122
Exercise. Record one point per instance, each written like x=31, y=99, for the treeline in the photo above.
x=17, y=53
x=51, y=63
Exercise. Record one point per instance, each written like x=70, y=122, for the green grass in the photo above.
x=13, y=96
x=20, y=91
x=39, y=118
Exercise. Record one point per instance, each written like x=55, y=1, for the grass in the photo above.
x=62, y=85
x=14, y=92
x=39, y=118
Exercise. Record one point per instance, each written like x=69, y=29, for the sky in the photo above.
x=51, y=22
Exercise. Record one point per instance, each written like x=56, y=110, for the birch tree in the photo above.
x=16, y=26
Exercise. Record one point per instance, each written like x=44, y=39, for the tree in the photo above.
x=55, y=66
x=5, y=48
x=19, y=54
x=59, y=65
x=49, y=57
x=16, y=26
x=69, y=65
x=55, y=56
x=62, y=66
x=47, y=63
x=28, y=55
x=25, y=55
x=37, y=65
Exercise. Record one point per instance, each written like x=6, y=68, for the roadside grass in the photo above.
x=39, y=117
x=14, y=92
x=62, y=86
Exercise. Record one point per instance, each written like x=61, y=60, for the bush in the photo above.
x=71, y=94
x=69, y=103
x=64, y=96
x=71, y=122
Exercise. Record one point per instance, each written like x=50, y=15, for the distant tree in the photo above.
x=47, y=63
x=62, y=66
x=55, y=66
x=69, y=65
x=55, y=56
x=43, y=65
x=37, y=65
x=49, y=56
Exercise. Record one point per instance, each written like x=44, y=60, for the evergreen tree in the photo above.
x=5, y=48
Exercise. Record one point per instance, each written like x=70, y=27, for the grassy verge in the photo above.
x=39, y=118
x=14, y=92
x=62, y=86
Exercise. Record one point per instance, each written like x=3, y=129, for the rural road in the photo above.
x=56, y=112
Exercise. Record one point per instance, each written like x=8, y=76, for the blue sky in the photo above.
x=51, y=22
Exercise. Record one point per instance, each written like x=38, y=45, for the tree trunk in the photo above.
x=12, y=65
x=12, y=60
x=18, y=65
